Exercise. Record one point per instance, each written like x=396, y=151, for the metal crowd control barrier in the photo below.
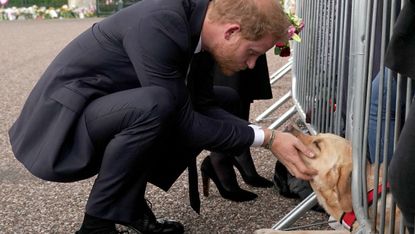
x=279, y=74
x=335, y=69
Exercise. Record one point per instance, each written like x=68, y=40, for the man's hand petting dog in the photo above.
x=287, y=148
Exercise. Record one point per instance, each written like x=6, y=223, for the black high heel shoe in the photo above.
x=246, y=167
x=233, y=192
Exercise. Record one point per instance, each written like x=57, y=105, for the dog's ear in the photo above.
x=344, y=187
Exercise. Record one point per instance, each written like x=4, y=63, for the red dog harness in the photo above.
x=349, y=218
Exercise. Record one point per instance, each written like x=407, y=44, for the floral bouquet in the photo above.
x=283, y=49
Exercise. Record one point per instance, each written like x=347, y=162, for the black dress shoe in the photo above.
x=94, y=225
x=148, y=224
x=108, y=231
x=228, y=187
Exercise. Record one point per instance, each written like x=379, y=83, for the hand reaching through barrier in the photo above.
x=286, y=148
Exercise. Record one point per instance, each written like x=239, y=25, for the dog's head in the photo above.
x=333, y=161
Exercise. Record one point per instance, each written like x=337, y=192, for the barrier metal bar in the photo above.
x=337, y=72
x=296, y=213
x=344, y=31
x=330, y=105
x=306, y=37
x=385, y=18
x=312, y=82
x=273, y=79
x=297, y=105
x=317, y=74
x=282, y=71
x=323, y=64
x=332, y=82
x=307, y=45
x=356, y=92
x=273, y=107
x=375, y=22
x=311, y=46
x=284, y=117
x=370, y=48
x=322, y=72
x=301, y=56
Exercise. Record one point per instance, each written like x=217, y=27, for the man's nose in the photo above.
x=251, y=63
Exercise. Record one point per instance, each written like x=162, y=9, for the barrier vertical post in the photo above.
x=355, y=115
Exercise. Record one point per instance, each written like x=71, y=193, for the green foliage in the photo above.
x=27, y=3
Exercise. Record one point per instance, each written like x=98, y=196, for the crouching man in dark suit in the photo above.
x=123, y=100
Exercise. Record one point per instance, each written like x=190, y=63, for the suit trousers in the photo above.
x=124, y=128
x=127, y=129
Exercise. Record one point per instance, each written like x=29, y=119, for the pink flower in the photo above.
x=297, y=24
x=301, y=26
x=291, y=31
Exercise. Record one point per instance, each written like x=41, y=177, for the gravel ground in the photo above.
x=30, y=205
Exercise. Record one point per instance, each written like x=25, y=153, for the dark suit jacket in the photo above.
x=401, y=48
x=150, y=43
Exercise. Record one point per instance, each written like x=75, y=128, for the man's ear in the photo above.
x=231, y=29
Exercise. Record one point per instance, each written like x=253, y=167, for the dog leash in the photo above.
x=309, y=225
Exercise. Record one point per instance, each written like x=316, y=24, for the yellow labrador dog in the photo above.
x=332, y=185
